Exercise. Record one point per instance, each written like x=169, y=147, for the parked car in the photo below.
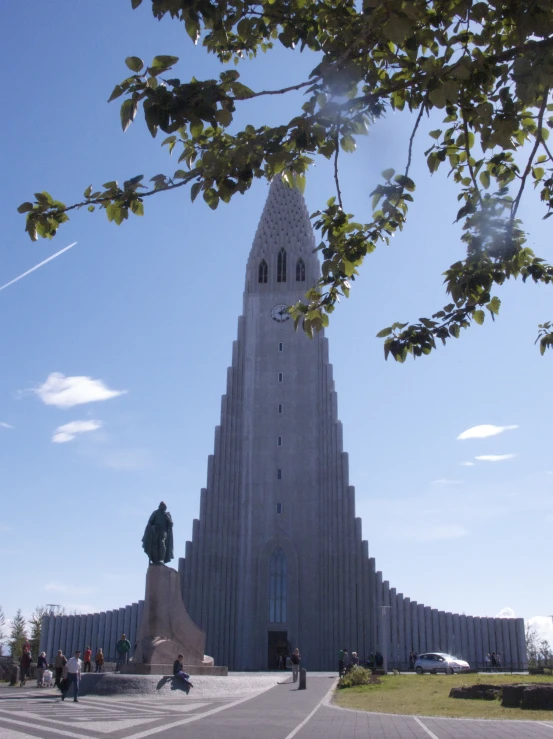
x=440, y=662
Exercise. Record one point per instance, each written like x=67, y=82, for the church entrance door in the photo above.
x=277, y=650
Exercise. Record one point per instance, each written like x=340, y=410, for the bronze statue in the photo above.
x=157, y=541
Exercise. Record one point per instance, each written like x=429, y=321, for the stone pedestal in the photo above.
x=166, y=630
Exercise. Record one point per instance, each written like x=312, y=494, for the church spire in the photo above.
x=284, y=236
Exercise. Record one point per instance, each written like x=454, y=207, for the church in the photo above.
x=277, y=558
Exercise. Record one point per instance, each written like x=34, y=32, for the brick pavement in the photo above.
x=276, y=711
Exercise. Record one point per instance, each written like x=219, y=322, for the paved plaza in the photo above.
x=242, y=706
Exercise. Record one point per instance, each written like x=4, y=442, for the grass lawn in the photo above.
x=428, y=695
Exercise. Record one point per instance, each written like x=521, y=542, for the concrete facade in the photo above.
x=277, y=558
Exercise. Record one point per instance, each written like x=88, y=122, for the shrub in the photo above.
x=356, y=676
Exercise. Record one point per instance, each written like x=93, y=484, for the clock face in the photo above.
x=280, y=313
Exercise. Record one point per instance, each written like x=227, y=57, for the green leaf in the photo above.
x=385, y=332
x=436, y=134
x=137, y=207
x=196, y=128
x=117, y=92
x=347, y=143
x=485, y=179
x=135, y=4
x=494, y=305
x=25, y=207
x=88, y=191
x=134, y=63
x=91, y=209
x=388, y=174
x=128, y=112
x=479, y=316
x=163, y=62
x=194, y=190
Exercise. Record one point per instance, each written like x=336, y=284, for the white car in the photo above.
x=440, y=662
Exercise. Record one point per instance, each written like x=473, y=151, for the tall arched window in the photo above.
x=281, y=266
x=263, y=271
x=300, y=270
x=277, y=587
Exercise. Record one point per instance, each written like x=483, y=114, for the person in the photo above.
x=123, y=647
x=488, y=661
x=354, y=659
x=99, y=659
x=73, y=669
x=498, y=659
x=378, y=659
x=179, y=673
x=412, y=660
x=87, y=656
x=341, y=662
x=24, y=665
x=157, y=541
x=347, y=661
x=41, y=666
x=494, y=661
x=295, y=659
x=59, y=664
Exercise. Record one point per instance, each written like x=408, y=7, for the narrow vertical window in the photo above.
x=281, y=266
x=280, y=376
x=280, y=407
x=279, y=474
x=279, y=441
x=280, y=346
x=278, y=587
x=300, y=270
x=263, y=271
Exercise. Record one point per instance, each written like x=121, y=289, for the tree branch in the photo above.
x=539, y=140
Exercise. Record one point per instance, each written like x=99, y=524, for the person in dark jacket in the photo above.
x=24, y=666
x=59, y=664
x=179, y=673
x=295, y=659
x=41, y=665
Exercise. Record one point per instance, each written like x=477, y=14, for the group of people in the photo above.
x=68, y=671
x=346, y=661
x=493, y=661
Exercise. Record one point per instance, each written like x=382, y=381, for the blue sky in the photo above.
x=148, y=312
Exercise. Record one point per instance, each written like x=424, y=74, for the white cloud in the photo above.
x=440, y=532
x=466, y=464
x=4, y=425
x=494, y=457
x=445, y=481
x=481, y=432
x=506, y=613
x=65, y=392
x=69, y=431
x=544, y=627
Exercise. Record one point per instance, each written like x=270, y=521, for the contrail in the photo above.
x=28, y=272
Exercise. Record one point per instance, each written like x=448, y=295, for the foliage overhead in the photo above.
x=486, y=68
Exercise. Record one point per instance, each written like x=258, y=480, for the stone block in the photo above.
x=477, y=692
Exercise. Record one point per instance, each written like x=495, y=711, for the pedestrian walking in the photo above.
x=123, y=648
x=72, y=671
x=295, y=659
x=87, y=657
x=99, y=659
x=24, y=666
x=341, y=662
x=41, y=666
x=59, y=664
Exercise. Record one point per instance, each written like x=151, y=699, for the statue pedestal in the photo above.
x=166, y=630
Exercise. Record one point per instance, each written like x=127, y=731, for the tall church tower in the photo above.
x=277, y=558
x=272, y=555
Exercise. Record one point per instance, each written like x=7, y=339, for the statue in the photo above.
x=157, y=541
